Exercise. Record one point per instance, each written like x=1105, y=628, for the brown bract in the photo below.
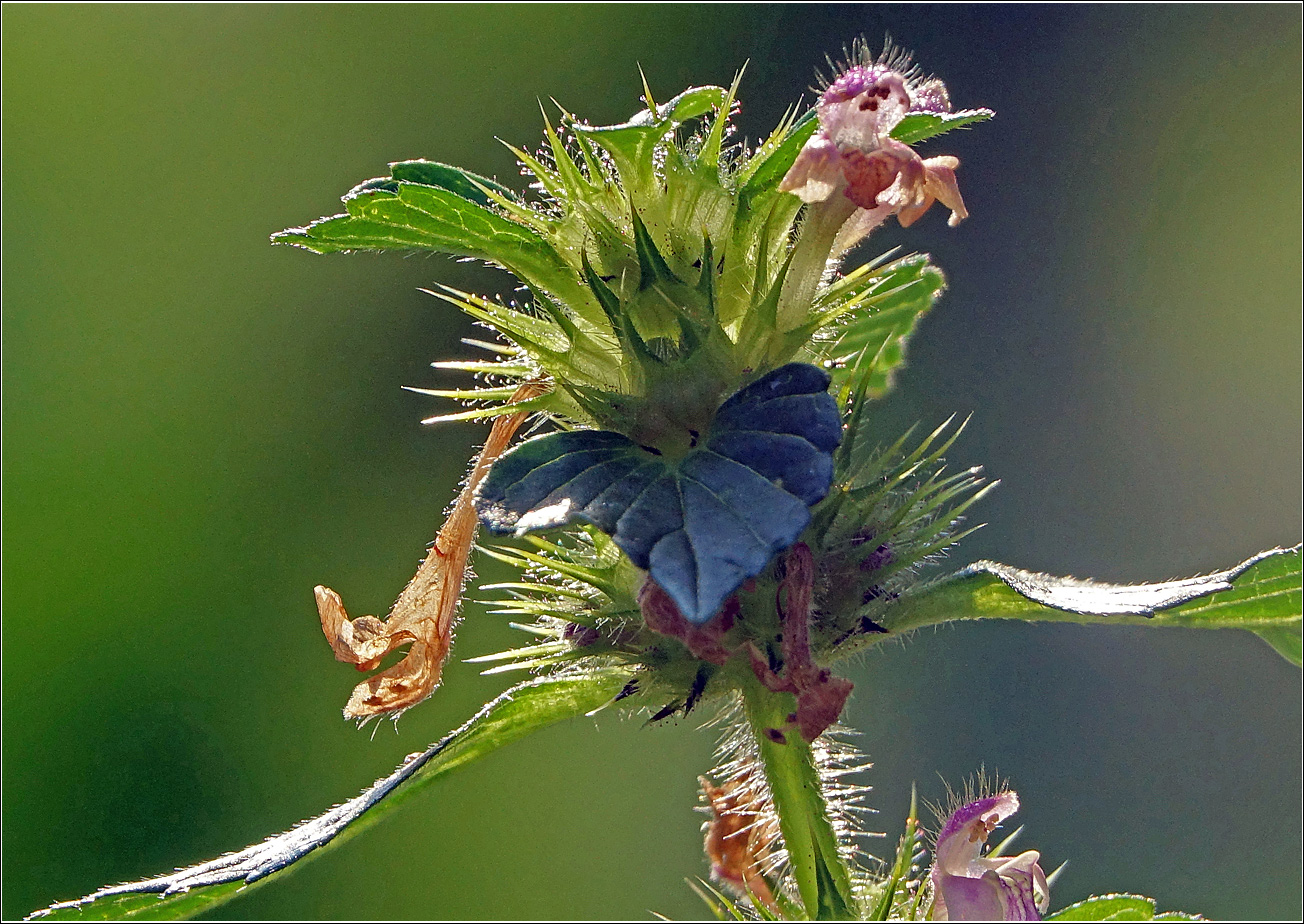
x=739, y=836
x=704, y=641
x=424, y=613
x=820, y=695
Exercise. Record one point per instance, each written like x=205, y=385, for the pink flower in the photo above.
x=853, y=157
x=968, y=886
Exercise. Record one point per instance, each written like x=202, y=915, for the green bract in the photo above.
x=655, y=260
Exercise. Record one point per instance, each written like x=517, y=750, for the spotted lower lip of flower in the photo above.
x=968, y=886
x=891, y=178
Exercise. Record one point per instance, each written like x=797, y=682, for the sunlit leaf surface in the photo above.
x=918, y=126
x=523, y=709
x=1117, y=908
x=1261, y=594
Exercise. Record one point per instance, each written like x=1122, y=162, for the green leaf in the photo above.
x=918, y=126
x=419, y=217
x=693, y=103
x=1117, y=908
x=464, y=183
x=631, y=143
x=880, y=310
x=767, y=168
x=907, y=853
x=1261, y=594
x=1287, y=640
x=526, y=708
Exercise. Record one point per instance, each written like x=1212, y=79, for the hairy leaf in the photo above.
x=416, y=216
x=700, y=524
x=879, y=310
x=1117, y=908
x=1261, y=594
x=523, y=709
x=918, y=126
x=464, y=183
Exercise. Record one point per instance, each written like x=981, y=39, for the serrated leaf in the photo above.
x=523, y=709
x=701, y=524
x=464, y=183
x=1261, y=594
x=919, y=126
x=419, y=217
x=881, y=321
x=1119, y=907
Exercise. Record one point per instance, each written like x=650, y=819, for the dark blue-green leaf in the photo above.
x=701, y=524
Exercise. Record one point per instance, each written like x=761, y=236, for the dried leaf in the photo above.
x=820, y=695
x=424, y=613
x=740, y=836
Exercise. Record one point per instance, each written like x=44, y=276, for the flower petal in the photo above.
x=817, y=171
x=968, y=886
x=960, y=842
x=863, y=105
x=939, y=181
x=960, y=898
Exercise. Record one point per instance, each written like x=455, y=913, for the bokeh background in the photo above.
x=199, y=427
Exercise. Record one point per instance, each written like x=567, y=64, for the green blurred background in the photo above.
x=200, y=427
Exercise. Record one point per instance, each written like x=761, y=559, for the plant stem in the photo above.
x=810, y=259
x=789, y=762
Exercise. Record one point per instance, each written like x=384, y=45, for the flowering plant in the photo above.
x=720, y=527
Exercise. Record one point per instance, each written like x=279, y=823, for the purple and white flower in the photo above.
x=853, y=163
x=968, y=886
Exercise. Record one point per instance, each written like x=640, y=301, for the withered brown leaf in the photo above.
x=740, y=835
x=424, y=613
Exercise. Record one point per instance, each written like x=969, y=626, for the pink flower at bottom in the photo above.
x=968, y=886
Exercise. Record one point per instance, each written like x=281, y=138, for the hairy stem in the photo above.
x=810, y=259
x=789, y=762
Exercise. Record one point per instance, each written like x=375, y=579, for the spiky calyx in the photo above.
x=657, y=261
x=889, y=510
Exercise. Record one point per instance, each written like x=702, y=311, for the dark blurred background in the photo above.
x=200, y=427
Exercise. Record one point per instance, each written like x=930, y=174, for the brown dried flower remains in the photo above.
x=820, y=695
x=424, y=613
x=740, y=835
